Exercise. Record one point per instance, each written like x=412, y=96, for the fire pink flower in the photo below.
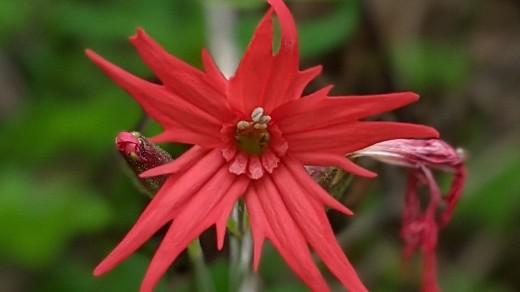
x=420, y=226
x=252, y=136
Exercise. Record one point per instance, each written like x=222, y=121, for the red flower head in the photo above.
x=252, y=136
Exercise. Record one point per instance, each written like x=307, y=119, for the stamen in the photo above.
x=259, y=126
x=257, y=114
x=242, y=125
x=265, y=119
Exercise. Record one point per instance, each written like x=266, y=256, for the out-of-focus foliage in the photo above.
x=424, y=66
x=65, y=200
x=39, y=231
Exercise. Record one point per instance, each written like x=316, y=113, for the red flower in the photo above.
x=252, y=136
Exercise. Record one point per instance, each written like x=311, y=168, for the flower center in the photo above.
x=252, y=136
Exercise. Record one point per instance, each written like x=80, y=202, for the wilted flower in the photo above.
x=252, y=136
x=420, y=226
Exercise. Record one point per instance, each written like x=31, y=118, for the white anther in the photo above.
x=265, y=119
x=242, y=125
x=257, y=114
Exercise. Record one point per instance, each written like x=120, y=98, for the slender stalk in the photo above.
x=242, y=278
x=203, y=280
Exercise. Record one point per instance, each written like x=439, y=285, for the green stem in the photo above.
x=203, y=281
x=241, y=275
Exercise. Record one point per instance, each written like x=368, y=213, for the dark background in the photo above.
x=66, y=199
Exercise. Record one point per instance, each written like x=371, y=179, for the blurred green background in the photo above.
x=66, y=199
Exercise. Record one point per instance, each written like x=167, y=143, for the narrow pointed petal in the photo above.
x=289, y=40
x=302, y=79
x=187, y=158
x=328, y=159
x=259, y=226
x=346, y=138
x=185, y=135
x=287, y=236
x=313, y=223
x=168, y=109
x=162, y=208
x=301, y=106
x=181, y=78
x=315, y=190
x=248, y=85
x=221, y=226
x=266, y=79
x=285, y=66
x=202, y=211
x=326, y=111
x=213, y=71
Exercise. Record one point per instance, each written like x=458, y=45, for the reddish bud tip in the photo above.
x=127, y=143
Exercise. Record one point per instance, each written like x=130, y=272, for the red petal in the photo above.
x=259, y=226
x=162, y=208
x=345, y=138
x=168, y=109
x=221, y=226
x=328, y=159
x=301, y=80
x=186, y=136
x=327, y=111
x=313, y=223
x=213, y=71
x=186, y=159
x=248, y=85
x=301, y=105
x=316, y=191
x=287, y=236
x=268, y=80
x=285, y=67
x=202, y=211
x=184, y=80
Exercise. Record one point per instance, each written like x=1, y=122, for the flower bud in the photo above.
x=140, y=155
